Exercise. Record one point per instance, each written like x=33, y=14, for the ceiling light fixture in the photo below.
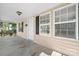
x=18, y=13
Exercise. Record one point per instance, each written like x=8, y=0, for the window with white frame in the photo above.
x=44, y=24
x=65, y=22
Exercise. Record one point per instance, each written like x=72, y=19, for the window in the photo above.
x=44, y=24
x=65, y=24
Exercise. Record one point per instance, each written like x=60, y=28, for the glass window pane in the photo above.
x=71, y=30
x=71, y=16
x=40, y=19
x=72, y=8
x=64, y=14
x=57, y=30
x=64, y=18
x=64, y=30
x=72, y=12
x=78, y=29
x=44, y=19
x=78, y=22
x=45, y=29
x=1, y=24
x=57, y=13
x=57, y=16
x=47, y=16
x=56, y=19
x=64, y=11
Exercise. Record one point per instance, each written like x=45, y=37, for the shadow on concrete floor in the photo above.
x=17, y=46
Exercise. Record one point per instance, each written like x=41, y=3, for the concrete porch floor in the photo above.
x=17, y=46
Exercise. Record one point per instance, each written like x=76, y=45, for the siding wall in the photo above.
x=67, y=47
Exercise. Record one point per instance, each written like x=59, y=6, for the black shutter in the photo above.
x=37, y=24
